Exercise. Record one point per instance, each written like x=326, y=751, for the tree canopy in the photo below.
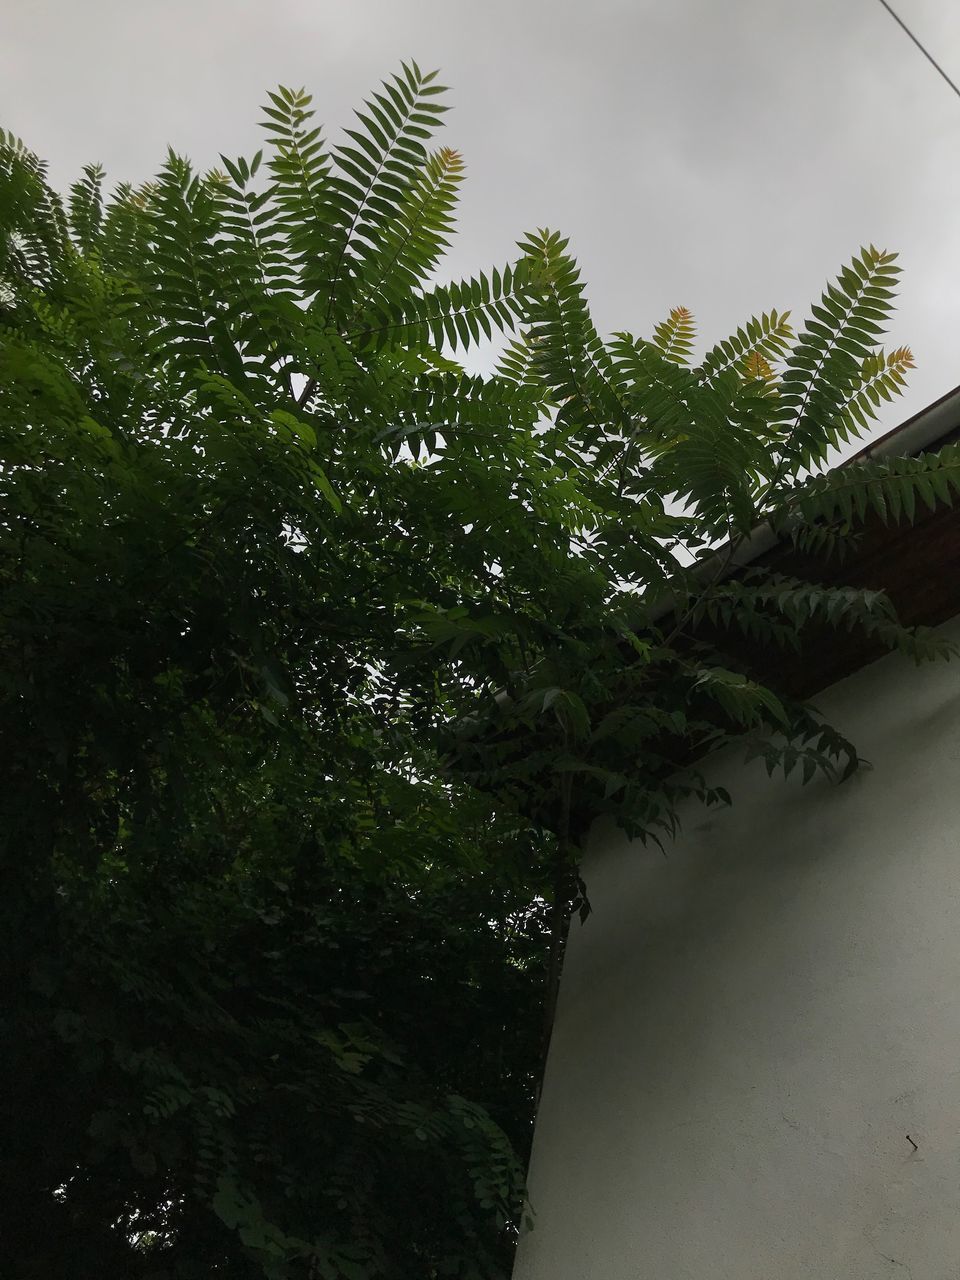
x=319, y=657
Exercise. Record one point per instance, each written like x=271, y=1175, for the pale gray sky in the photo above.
x=727, y=155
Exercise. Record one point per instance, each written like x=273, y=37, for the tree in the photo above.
x=319, y=656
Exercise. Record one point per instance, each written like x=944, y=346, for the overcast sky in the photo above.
x=726, y=155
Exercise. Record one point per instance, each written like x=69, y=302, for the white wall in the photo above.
x=749, y=1028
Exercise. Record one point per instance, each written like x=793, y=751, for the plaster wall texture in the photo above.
x=750, y=1027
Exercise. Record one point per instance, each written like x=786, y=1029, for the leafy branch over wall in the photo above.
x=319, y=657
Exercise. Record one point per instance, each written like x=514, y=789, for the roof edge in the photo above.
x=913, y=436
x=925, y=428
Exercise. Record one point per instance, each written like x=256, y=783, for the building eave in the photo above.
x=917, y=565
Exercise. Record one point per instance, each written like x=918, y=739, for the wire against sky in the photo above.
x=929, y=57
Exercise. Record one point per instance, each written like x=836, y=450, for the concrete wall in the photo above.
x=749, y=1028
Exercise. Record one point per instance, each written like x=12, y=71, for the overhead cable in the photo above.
x=929, y=57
